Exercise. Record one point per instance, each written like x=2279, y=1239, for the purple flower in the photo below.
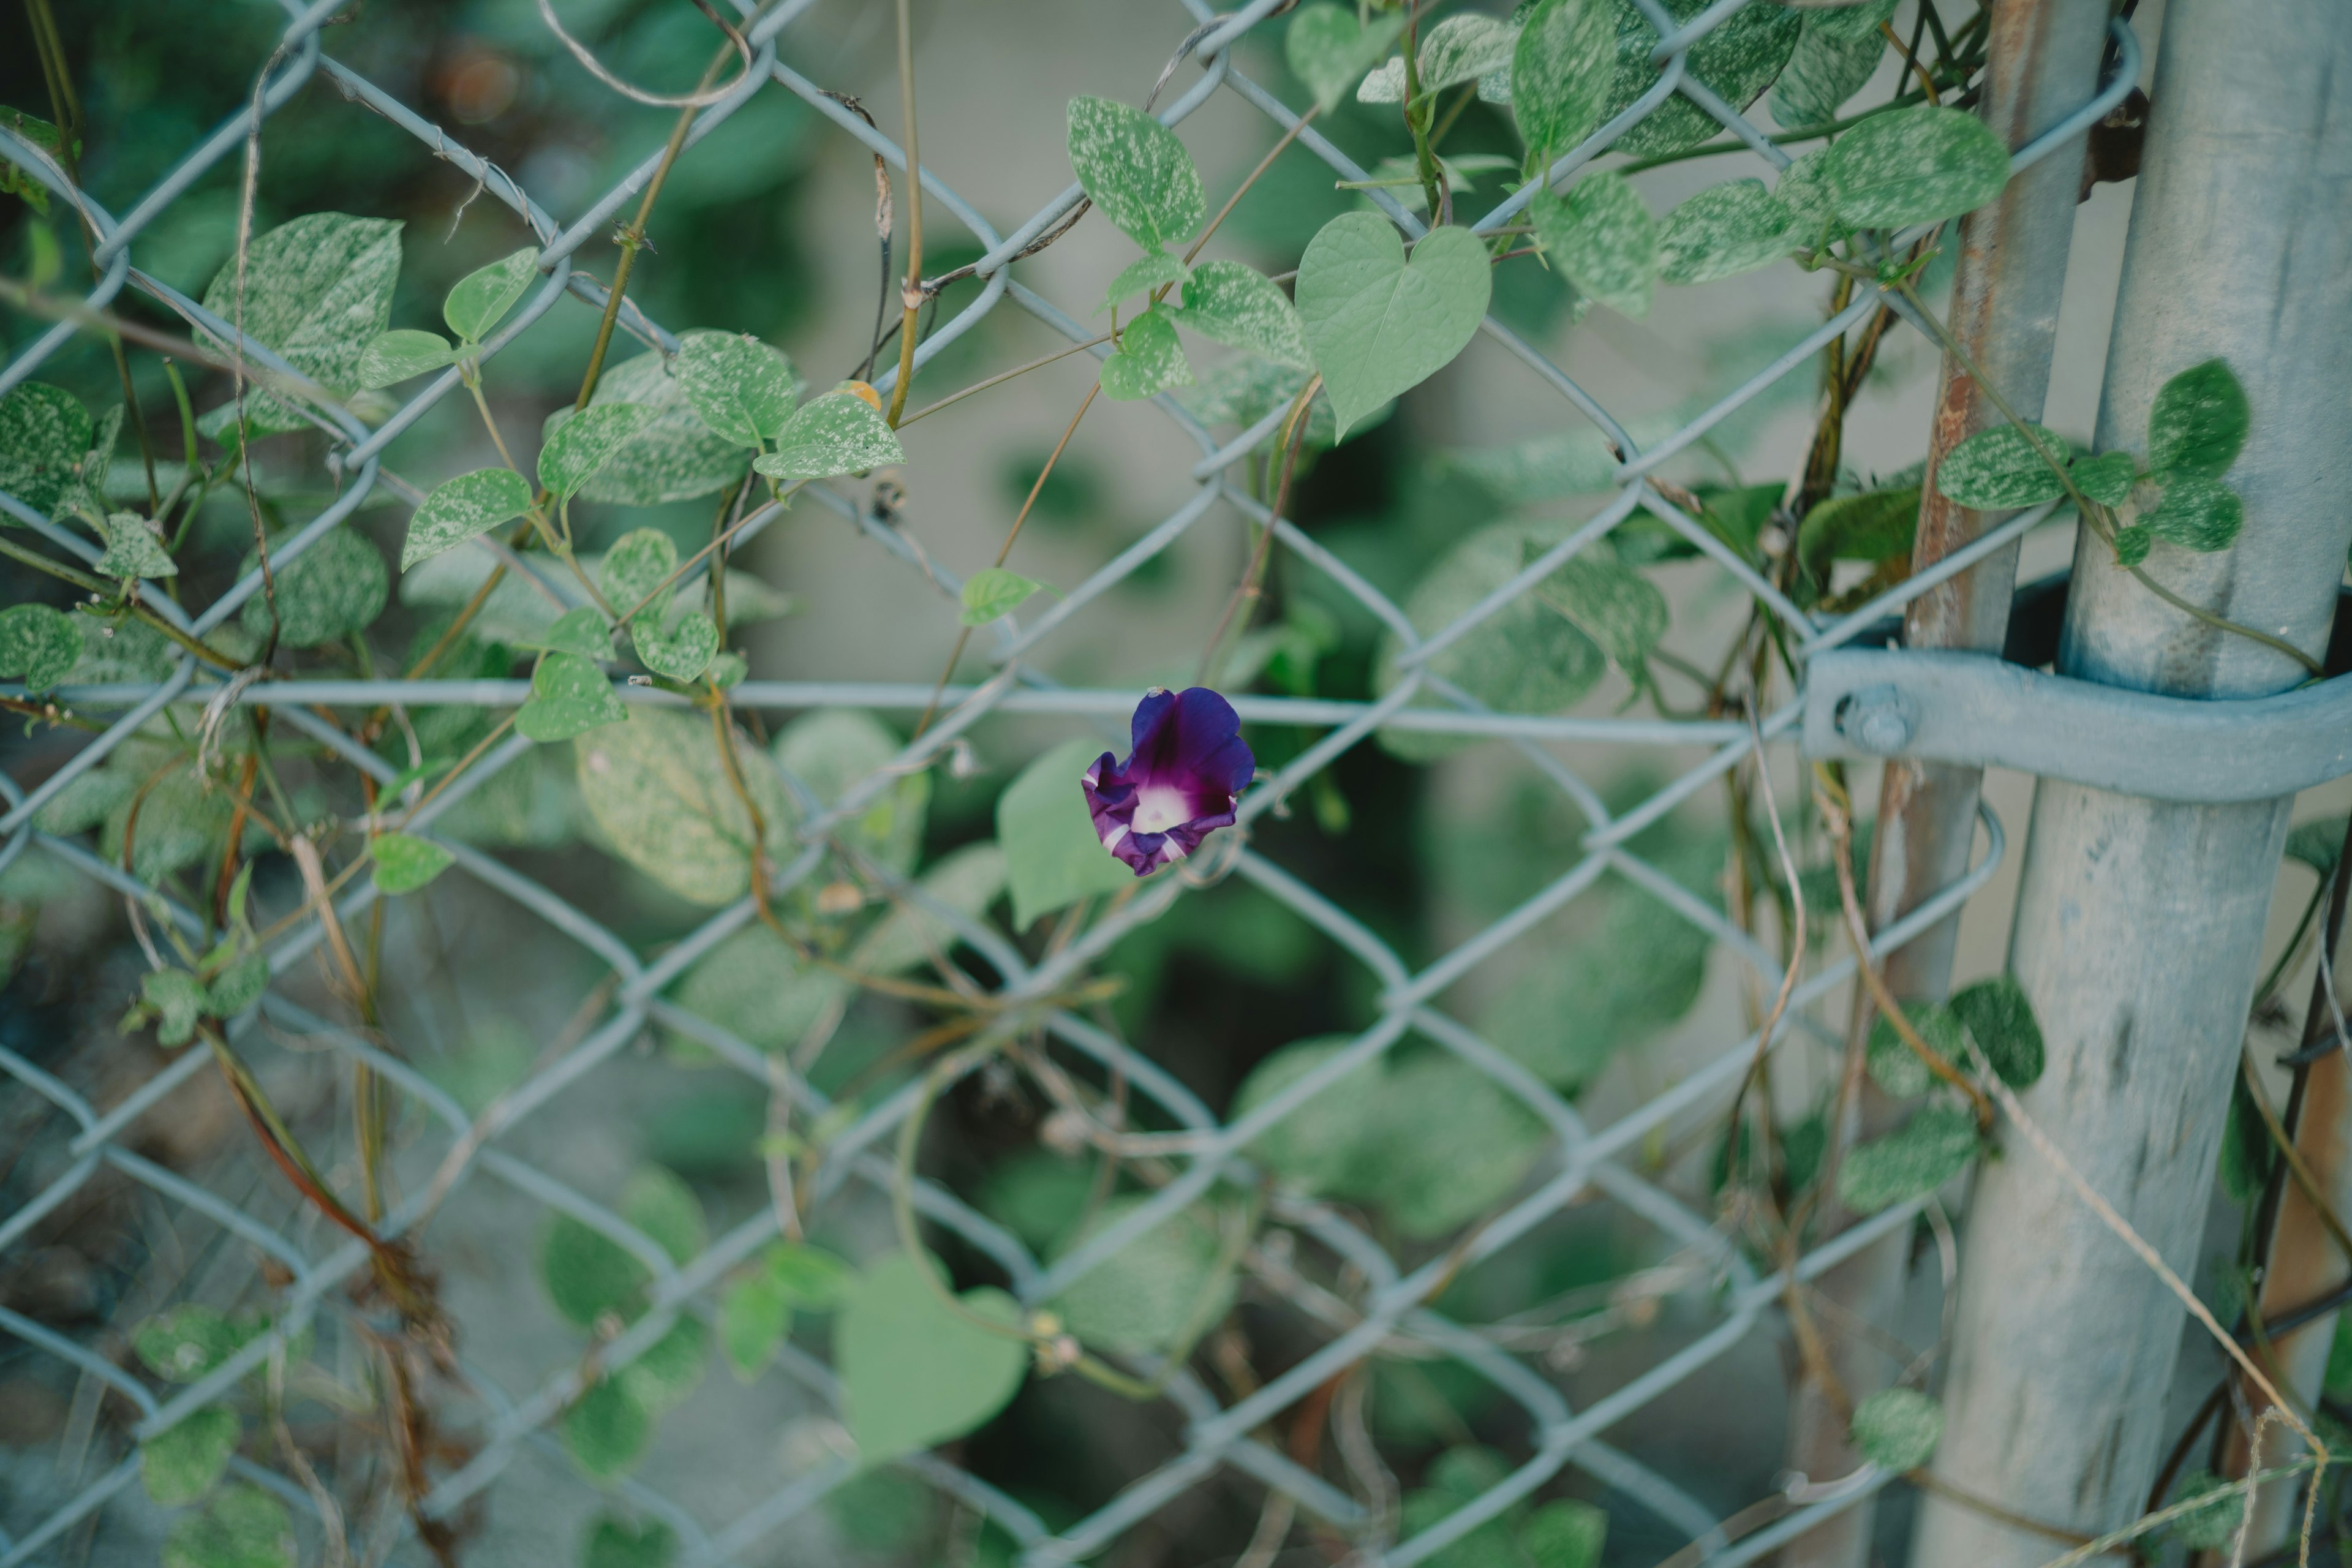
x=1178, y=785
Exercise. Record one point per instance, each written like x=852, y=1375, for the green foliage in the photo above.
x=758, y=989
x=586, y=1273
x=754, y=1316
x=1999, y=1019
x=1053, y=857
x=1561, y=75
x=607, y=1430
x=1378, y=324
x=1158, y=1292
x=180, y=1463
x=674, y=456
x=2317, y=843
x=2106, y=478
x=615, y=1542
x=1896, y=1428
x=2197, y=513
x=833, y=750
x=133, y=549
x=481, y=299
x=569, y=696
x=915, y=1371
x=1621, y=610
x=1915, y=166
x=1239, y=306
x=2197, y=424
x=1894, y=1066
x=1998, y=469
x=192, y=1340
x=1134, y=170
x=44, y=431
x=1602, y=238
x=1916, y=1158
x=1833, y=61
x=179, y=821
x=393, y=357
x=174, y=1000
x=242, y=1527
x=666, y=801
x=1328, y=51
x=1738, y=60
x=317, y=291
x=38, y=644
x=2249, y=1155
x=1565, y=1535
x=839, y=433
x=1145, y=273
x=404, y=864
x=1874, y=526
x=744, y=390
x=334, y=588
x=670, y=1368
x=1723, y=231
x=577, y=449
x=461, y=509
x=2214, y=1526
x=994, y=593
x=1149, y=360
x=967, y=880
x=1463, y=47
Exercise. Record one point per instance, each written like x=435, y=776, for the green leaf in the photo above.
x=1876, y=525
x=1239, y=307
x=569, y=696
x=85, y=494
x=2248, y=1153
x=1997, y=469
x=2214, y=1526
x=393, y=357
x=582, y=632
x=243, y=1526
x=743, y=389
x=810, y=1278
x=1737, y=60
x=1602, y=238
x=1916, y=165
x=336, y=587
x=1894, y=1066
x=2000, y=1017
x=634, y=568
x=1565, y=1533
x=663, y=1207
x=833, y=750
x=666, y=801
x=914, y=1372
x=1459, y=48
x=1805, y=188
x=1523, y=659
x=192, y=1340
x=180, y=1465
x=38, y=644
x=1143, y=274
x=624, y=1543
x=607, y=1431
x=1896, y=1428
x=2106, y=479
x=839, y=433
x=670, y=1369
x=133, y=549
x=968, y=880
x=1160, y=1290
x=2316, y=844
x=2197, y=515
x=1833, y=61
x=1052, y=855
x=317, y=291
x=239, y=985
x=757, y=988
x=675, y=456
x=994, y=593
x=574, y=450
x=1723, y=231
x=1328, y=52
x=681, y=650
x=481, y=299
x=462, y=509
x=1916, y=1158
x=1134, y=169
x=587, y=1274
x=1149, y=359
x=404, y=864
x=1377, y=324
x=753, y=1317
x=181, y=822
x=178, y=1000
x=2133, y=544
x=1560, y=73
x=44, y=431
x=2197, y=424
x=1609, y=601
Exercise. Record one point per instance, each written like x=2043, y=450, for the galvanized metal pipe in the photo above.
x=2139, y=925
x=2042, y=64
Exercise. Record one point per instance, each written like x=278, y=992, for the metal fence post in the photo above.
x=2139, y=925
x=2042, y=64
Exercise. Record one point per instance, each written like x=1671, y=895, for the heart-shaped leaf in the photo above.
x=582, y=631
x=915, y=1372
x=460, y=509
x=1236, y=305
x=585, y=443
x=742, y=388
x=181, y=1463
x=1602, y=238
x=1379, y=324
x=1149, y=360
x=1723, y=231
x=634, y=570
x=1053, y=855
x=39, y=644
x=133, y=549
x=681, y=652
x=393, y=357
x=2106, y=479
x=569, y=696
x=483, y=296
x=1134, y=170
x=2197, y=513
x=1560, y=73
x=838, y=433
x=1328, y=52
x=2197, y=423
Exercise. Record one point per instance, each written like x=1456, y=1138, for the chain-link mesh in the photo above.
x=1394, y=1312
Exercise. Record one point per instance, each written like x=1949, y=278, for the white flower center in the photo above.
x=1158, y=810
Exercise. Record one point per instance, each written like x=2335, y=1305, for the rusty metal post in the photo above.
x=2042, y=65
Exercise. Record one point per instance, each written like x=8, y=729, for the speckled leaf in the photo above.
x=460, y=509
x=1737, y=60
x=481, y=299
x=1831, y=63
x=638, y=564
x=838, y=433
x=181, y=820
x=1237, y=305
x=393, y=357
x=743, y=389
x=2215, y=1524
x=2198, y=423
x=1609, y=601
x=2197, y=515
x=1463, y=47
x=681, y=650
x=1158, y=1290
x=1134, y=169
x=1805, y=189
x=86, y=492
x=37, y=645
x=1149, y=359
x=178, y=1465
x=1998, y=469
x=317, y=291
x=1894, y=1066
x=1916, y=1158
x=575, y=450
x=913, y=1371
x=1142, y=275
x=44, y=431
x=1328, y=52
x=1896, y=1428
x=1916, y=165
x=334, y=588
x=1602, y=238
x=569, y=696
x=403, y=863
x=2106, y=479
x=2000, y=1017
x=132, y=549
x=192, y=1340
x=1052, y=855
x=675, y=455
x=1723, y=231
x=1378, y=324
x=243, y=1527
x=1561, y=68
x=661, y=793
x=2133, y=544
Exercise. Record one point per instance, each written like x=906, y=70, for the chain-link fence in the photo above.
x=1729, y=1295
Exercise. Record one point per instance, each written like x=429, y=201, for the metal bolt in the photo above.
x=1877, y=719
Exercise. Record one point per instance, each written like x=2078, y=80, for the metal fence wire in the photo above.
x=1736, y=1297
